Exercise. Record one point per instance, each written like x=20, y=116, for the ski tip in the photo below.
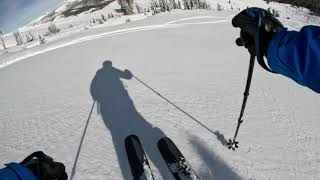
x=130, y=137
x=164, y=139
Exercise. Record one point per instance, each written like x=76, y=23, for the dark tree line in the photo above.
x=313, y=5
x=127, y=6
x=168, y=5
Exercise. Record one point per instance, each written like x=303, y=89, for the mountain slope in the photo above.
x=73, y=8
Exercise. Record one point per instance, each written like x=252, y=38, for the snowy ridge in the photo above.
x=113, y=33
x=292, y=17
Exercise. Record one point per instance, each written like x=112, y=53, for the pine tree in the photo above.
x=53, y=29
x=168, y=7
x=18, y=37
x=41, y=39
x=103, y=18
x=179, y=5
x=139, y=9
x=219, y=7
x=186, y=4
x=28, y=39
x=174, y=4
x=126, y=6
x=162, y=4
x=31, y=36
x=2, y=41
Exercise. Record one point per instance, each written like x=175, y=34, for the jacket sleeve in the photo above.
x=15, y=171
x=297, y=55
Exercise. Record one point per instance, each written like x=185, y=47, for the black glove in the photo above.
x=44, y=168
x=254, y=20
x=129, y=74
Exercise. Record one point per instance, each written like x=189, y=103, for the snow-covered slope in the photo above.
x=295, y=18
x=188, y=56
x=191, y=58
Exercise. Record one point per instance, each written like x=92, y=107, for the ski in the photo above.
x=139, y=164
x=176, y=162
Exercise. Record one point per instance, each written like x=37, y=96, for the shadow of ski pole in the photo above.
x=173, y=104
x=221, y=138
x=80, y=144
x=213, y=166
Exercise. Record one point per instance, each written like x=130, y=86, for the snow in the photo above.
x=189, y=57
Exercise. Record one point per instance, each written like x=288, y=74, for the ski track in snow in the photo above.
x=170, y=24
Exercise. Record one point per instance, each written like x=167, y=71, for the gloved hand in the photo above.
x=248, y=22
x=129, y=74
x=44, y=168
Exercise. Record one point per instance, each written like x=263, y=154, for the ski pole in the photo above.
x=81, y=142
x=259, y=51
x=232, y=142
x=180, y=109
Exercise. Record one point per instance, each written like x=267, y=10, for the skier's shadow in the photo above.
x=121, y=117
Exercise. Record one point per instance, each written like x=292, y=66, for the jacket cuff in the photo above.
x=15, y=171
x=273, y=58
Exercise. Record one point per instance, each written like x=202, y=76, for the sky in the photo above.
x=17, y=13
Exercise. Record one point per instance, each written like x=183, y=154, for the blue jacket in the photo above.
x=297, y=55
x=15, y=171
